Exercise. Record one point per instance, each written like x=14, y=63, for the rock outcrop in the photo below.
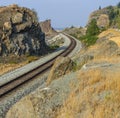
x=103, y=21
x=20, y=32
x=47, y=28
x=106, y=17
x=102, y=17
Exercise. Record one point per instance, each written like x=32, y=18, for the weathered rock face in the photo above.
x=20, y=32
x=47, y=28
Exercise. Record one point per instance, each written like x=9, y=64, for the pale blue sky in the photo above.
x=63, y=13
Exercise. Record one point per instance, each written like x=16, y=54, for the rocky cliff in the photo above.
x=102, y=17
x=20, y=32
x=47, y=28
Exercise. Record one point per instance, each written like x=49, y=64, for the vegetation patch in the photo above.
x=91, y=34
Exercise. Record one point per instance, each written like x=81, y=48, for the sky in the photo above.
x=63, y=13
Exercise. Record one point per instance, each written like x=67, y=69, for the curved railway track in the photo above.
x=17, y=82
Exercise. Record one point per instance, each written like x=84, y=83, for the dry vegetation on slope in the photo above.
x=97, y=95
x=111, y=34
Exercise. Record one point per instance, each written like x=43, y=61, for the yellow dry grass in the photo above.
x=116, y=40
x=98, y=95
x=111, y=34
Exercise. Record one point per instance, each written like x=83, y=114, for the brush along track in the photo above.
x=14, y=84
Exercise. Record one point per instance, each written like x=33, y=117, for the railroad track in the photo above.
x=17, y=82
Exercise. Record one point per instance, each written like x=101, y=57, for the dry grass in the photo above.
x=112, y=35
x=98, y=96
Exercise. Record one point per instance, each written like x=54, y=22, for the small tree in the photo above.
x=99, y=7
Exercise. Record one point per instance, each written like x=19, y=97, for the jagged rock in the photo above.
x=22, y=27
x=20, y=32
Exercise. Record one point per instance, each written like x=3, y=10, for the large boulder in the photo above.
x=20, y=32
x=61, y=66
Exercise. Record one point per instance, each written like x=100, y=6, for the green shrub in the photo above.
x=91, y=33
x=92, y=28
